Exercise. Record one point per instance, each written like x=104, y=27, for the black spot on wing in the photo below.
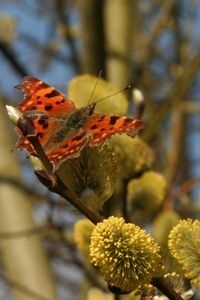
x=93, y=127
x=60, y=101
x=65, y=146
x=48, y=107
x=53, y=93
x=113, y=120
x=45, y=125
x=77, y=138
x=43, y=122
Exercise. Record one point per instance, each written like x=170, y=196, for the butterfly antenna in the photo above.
x=99, y=76
x=115, y=93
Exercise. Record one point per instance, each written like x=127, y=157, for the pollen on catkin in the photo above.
x=184, y=245
x=125, y=254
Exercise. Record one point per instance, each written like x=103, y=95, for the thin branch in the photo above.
x=162, y=285
x=11, y=57
x=63, y=19
x=44, y=49
x=156, y=28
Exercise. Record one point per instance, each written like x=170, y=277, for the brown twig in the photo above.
x=160, y=24
x=162, y=285
x=11, y=57
x=63, y=19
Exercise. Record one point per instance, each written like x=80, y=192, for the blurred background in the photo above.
x=153, y=45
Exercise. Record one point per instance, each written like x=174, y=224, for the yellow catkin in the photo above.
x=124, y=253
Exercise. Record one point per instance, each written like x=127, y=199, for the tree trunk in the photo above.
x=92, y=36
x=119, y=21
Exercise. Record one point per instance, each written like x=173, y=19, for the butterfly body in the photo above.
x=63, y=130
x=80, y=116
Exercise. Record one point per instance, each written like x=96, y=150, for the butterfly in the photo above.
x=62, y=129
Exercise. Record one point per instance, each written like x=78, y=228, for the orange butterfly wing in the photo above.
x=42, y=97
x=102, y=127
x=44, y=105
